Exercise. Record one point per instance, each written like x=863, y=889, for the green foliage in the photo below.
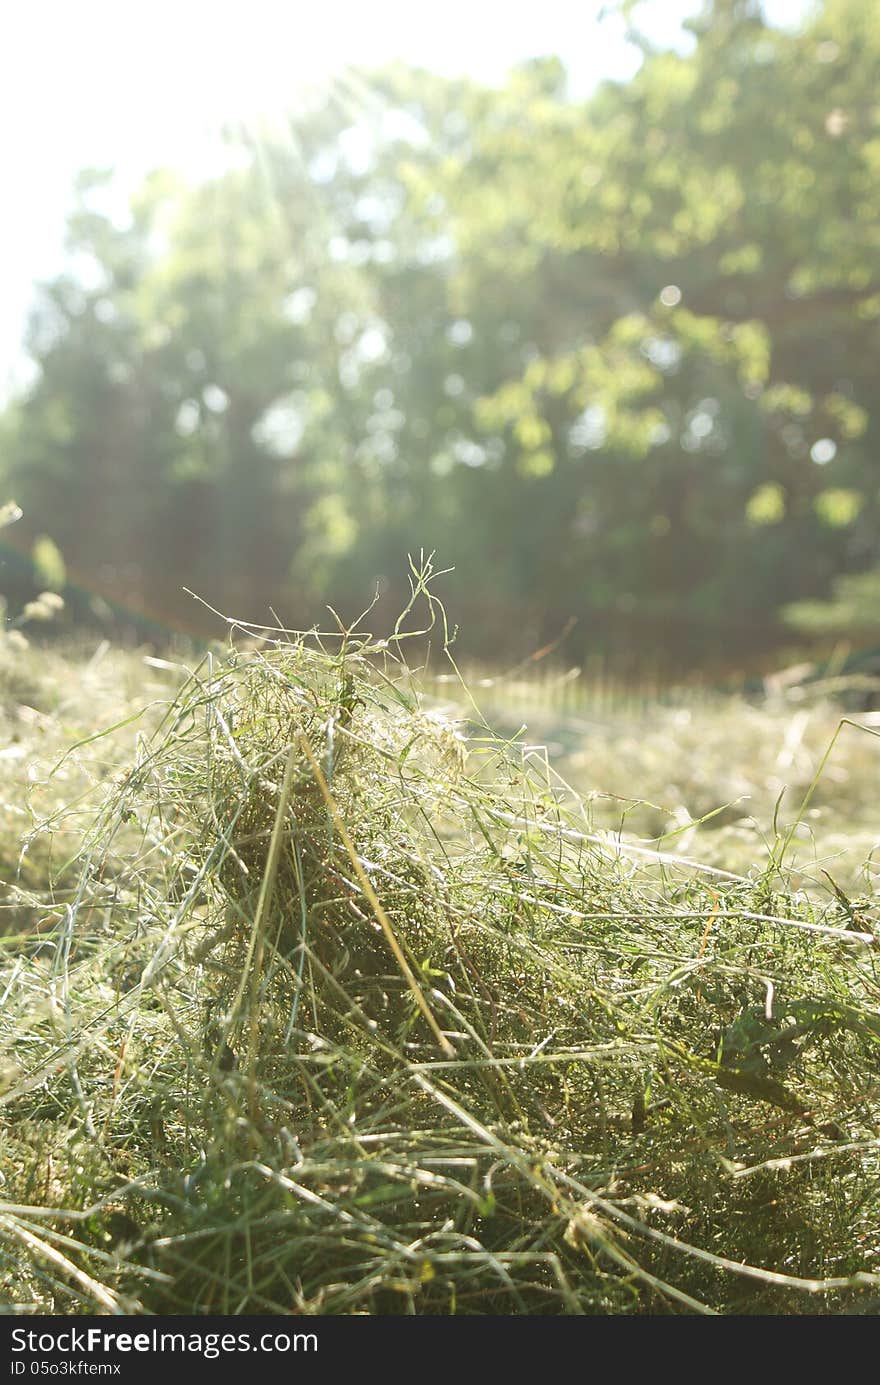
x=854, y=610
x=49, y=564
x=767, y=505
x=576, y=347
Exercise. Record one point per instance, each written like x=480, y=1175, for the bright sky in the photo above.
x=110, y=82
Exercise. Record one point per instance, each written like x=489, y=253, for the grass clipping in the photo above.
x=344, y=1014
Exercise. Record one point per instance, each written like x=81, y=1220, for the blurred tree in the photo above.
x=613, y=359
x=705, y=240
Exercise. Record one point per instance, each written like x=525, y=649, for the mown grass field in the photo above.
x=326, y=988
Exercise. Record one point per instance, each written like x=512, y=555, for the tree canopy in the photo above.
x=612, y=359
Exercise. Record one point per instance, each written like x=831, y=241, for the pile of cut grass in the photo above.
x=344, y=1014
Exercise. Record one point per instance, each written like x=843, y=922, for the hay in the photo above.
x=342, y=1014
